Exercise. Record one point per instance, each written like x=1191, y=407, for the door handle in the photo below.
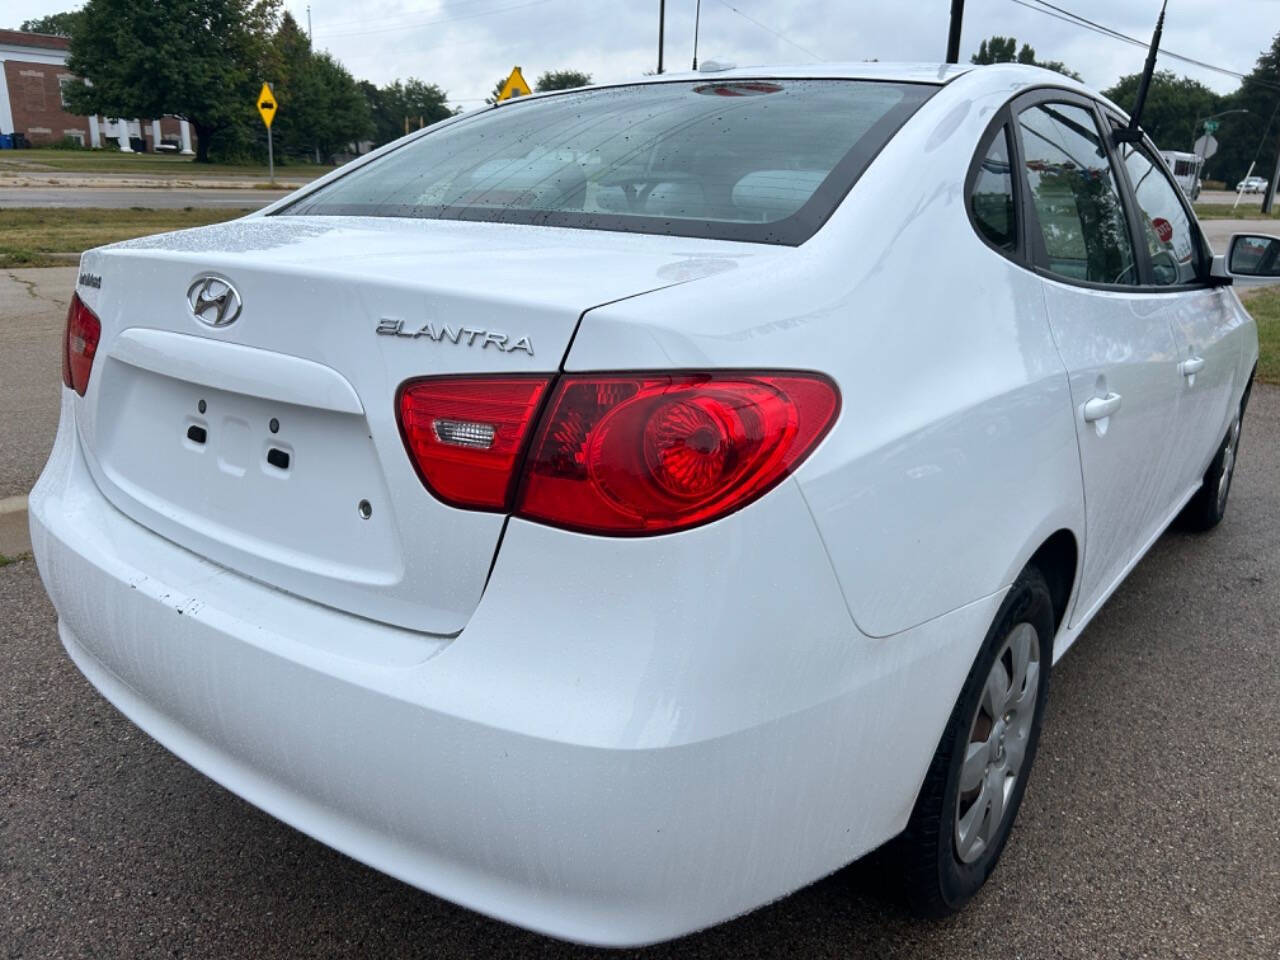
x=1099, y=408
x=1191, y=366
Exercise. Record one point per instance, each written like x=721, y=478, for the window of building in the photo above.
x=33, y=92
x=1077, y=202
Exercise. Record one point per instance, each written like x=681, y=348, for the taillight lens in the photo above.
x=466, y=434
x=79, y=345
x=637, y=454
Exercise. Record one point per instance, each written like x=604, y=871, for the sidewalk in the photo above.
x=98, y=181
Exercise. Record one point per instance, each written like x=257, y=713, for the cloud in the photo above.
x=465, y=45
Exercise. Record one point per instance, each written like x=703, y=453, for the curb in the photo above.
x=15, y=535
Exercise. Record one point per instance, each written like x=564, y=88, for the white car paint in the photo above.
x=613, y=740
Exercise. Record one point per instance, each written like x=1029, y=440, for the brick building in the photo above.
x=34, y=69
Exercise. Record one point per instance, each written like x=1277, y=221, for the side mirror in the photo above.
x=1253, y=255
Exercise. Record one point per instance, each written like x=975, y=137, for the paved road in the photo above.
x=33, y=312
x=1150, y=826
x=125, y=197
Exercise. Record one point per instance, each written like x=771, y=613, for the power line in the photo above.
x=769, y=29
x=1066, y=16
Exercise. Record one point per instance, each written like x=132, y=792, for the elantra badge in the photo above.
x=214, y=301
x=467, y=336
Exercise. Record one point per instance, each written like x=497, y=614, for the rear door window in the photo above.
x=758, y=160
x=991, y=198
x=1173, y=239
x=1074, y=195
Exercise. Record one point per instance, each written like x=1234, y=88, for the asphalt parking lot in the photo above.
x=1150, y=827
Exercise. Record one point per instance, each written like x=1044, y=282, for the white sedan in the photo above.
x=615, y=509
x=1251, y=185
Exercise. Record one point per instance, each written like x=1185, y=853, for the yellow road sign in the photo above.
x=514, y=87
x=267, y=105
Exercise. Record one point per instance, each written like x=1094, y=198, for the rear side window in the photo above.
x=991, y=196
x=1173, y=241
x=760, y=160
x=1074, y=194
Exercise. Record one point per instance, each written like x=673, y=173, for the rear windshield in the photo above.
x=759, y=160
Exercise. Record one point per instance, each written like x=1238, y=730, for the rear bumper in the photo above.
x=582, y=760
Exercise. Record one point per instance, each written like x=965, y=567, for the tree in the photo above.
x=403, y=106
x=1243, y=137
x=200, y=60
x=321, y=107
x=1173, y=104
x=56, y=24
x=1005, y=50
x=492, y=98
x=561, y=80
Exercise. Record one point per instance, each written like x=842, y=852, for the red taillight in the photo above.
x=466, y=434
x=79, y=345
x=643, y=454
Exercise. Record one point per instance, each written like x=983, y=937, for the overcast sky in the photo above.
x=464, y=45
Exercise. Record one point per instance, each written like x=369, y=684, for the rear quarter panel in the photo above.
x=955, y=453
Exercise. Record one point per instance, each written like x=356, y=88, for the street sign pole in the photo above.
x=267, y=110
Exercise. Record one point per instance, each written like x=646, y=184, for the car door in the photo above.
x=1200, y=314
x=1117, y=346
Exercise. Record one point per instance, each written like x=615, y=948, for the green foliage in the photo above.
x=1244, y=136
x=322, y=109
x=492, y=98
x=1173, y=105
x=201, y=60
x=57, y=24
x=1005, y=50
x=561, y=80
x=403, y=106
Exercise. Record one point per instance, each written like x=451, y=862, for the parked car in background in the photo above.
x=614, y=509
x=1251, y=185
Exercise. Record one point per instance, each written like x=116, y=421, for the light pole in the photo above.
x=1200, y=158
x=1196, y=126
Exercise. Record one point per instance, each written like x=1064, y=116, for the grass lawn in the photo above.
x=144, y=164
x=30, y=234
x=1249, y=209
x=1264, y=304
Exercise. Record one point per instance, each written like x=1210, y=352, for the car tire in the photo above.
x=1206, y=509
x=950, y=845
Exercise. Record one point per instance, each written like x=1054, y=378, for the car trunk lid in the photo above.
x=270, y=445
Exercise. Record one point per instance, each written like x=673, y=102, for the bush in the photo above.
x=68, y=143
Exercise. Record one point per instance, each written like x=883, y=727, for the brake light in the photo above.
x=79, y=345
x=465, y=435
x=642, y=454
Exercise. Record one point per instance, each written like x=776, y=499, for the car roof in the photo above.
x=870, y=70
x=1012, y=77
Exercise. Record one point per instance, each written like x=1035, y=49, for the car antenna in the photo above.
x=1133, y=132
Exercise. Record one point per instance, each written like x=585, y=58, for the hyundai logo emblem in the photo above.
x=214, y=301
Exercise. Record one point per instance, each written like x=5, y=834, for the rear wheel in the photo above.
x=975, y=783
x=1206, y=509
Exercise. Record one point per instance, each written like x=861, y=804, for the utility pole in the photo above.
x=953, y=38
x=1271, y=190
x=662, y=22
x=309, y=35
